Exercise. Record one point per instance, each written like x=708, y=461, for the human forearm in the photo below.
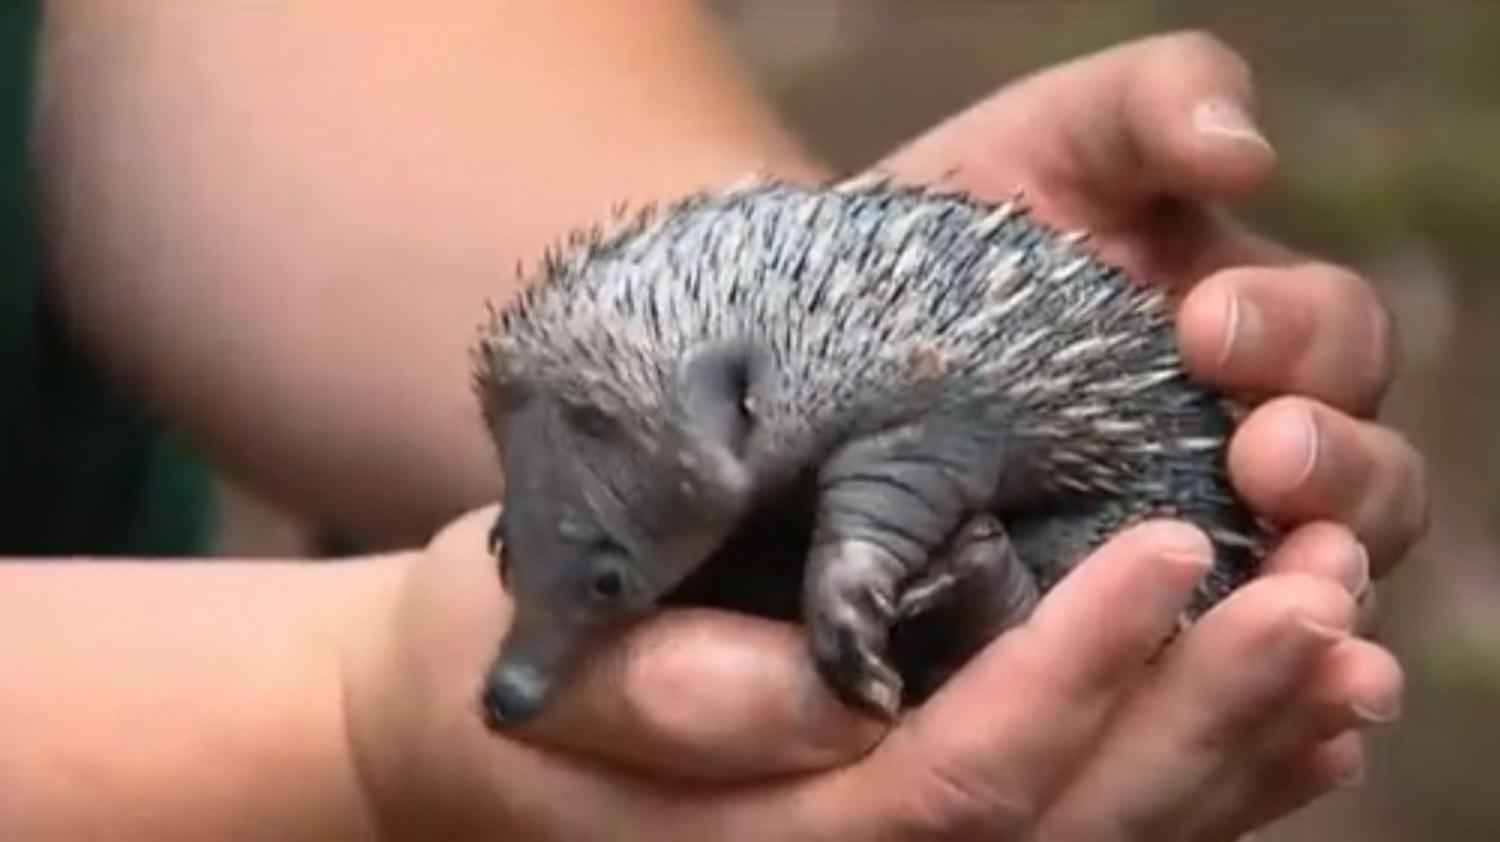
x=180, y=701
x=279, y=224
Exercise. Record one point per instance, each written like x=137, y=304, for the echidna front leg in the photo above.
x=886, y=504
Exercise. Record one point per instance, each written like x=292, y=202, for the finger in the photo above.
x=1336, y=763
x=1311, y=329
x=1183, y=125
x=1332, y=551
x=1358, y=684
x=1168, y=115
x=1296, y=460
x=1231, y=673
x=1323, y=549
x=707, y=695
x=976, y=758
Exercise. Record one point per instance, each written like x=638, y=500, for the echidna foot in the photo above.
x=850, y=610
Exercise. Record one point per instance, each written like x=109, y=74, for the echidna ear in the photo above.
x=714, y=380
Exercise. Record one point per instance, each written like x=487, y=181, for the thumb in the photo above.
x=1185, y=111
x=1109, y=133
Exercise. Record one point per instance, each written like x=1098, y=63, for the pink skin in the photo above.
x=1041, y=737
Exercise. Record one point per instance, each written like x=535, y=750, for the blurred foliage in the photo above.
x=1386, y=116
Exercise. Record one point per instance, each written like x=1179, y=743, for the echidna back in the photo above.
x=874, y=303
x=877, y=303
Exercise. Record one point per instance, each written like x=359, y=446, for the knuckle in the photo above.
x=1384, y=350
x=1397, y=506
x=1414, y=517
x=1350, y=298
x=1384, y=327
x=1332, y=331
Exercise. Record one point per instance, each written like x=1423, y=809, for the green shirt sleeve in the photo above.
x=82, y=470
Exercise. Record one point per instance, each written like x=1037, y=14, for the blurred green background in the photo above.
x=1386, y=116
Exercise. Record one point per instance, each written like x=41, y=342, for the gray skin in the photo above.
x=895, y=415
x=972, y=586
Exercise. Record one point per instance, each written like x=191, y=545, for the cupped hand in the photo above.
x=707, y=725
x=1142, y=145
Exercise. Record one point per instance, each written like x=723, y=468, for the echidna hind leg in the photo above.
x=973, y=591
x=886, y=505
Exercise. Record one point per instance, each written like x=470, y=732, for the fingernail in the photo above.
x=1187, y=546
x=1224, y=117
x=1358, y=574
x=885, y=699
x=1379, y=715
x=1242, y=327
x=1311, y=445
x=1382, y=712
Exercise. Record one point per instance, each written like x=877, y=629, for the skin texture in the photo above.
x=343, y=705
x=261, y=117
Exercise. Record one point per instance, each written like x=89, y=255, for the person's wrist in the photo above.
x=430, y=620
x=367, y=638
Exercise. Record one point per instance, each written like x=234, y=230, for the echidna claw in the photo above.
x=925, y=595
x=859, y=677
x=850, y=611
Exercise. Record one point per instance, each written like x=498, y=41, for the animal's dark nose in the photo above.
x=513, y=694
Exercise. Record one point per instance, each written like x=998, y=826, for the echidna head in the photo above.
x=605, y=511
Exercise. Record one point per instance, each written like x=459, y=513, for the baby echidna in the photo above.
x=864, y=395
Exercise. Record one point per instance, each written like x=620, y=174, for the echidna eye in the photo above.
x=608, y=585
x=607, y=580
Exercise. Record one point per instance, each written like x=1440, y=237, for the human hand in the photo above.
x=707, y=725
x=699, y=694
x=1139, y=145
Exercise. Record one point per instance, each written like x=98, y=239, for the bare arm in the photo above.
x=248, y=701
x=180, y=701
x=278, y=222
